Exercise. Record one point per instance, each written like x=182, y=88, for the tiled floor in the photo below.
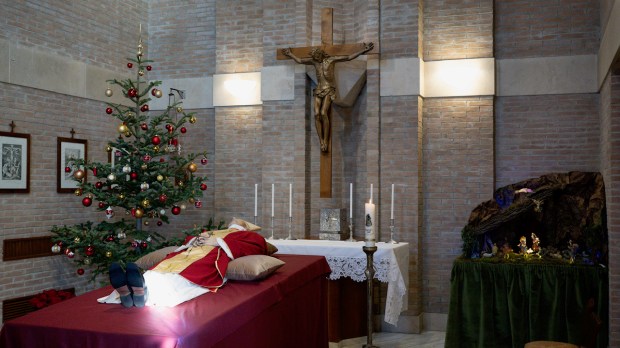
x=429, y=339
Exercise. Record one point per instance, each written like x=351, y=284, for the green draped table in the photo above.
x=506, y=304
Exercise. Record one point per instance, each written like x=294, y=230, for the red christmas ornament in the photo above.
x=170, y=129
x=133, y=176
x=156, y=140
x=163, y=198
x=144, y=126
x=159, y=223
x=80, y=271
x=132, y=92
x=148, y=68
x=98, y=185
x=133, y=212
x=144, y=107
x=203, y=186
x=162, y=160
x=146, y=158
x=69, y=253
x=95, y=171
x=87, y=201
x=67, y=169
x=130, y=65
x=175, y=141
x=89, y=251
x=176, y=210
x=154, y=91
x=108, y=111
x=110, y=238
x=168, y=126
x=134, y=244
x=144, y=245
x=204, y=161
x=183, y=130
x=101, y=205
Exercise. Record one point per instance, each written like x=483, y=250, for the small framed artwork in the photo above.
x=14, y=163
x=69, y=150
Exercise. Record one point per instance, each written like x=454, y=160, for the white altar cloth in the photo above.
x=347, y=259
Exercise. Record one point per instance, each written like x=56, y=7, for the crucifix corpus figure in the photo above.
x=325, y=91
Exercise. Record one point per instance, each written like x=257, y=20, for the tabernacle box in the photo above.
x=333, y=224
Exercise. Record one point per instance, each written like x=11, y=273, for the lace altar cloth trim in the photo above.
x=385, y=272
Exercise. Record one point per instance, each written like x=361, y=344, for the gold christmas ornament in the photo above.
x=123, y=128
x=160, y=178
x=78, y=192
x=146, y=203
x=158, y=93
x=192, y=167
x=108, y=148
x=192, y=119
x=144, y=166
x=130, y=114
x=76, y=240
x=156, y=148
x=141, y=72
x=179, y=109
x=109, y=92
x=79, y=174
x=121, y=196
x=139, y=213
x=87, y=261
x=108, y=254
x=128, y=134
x=191, y=200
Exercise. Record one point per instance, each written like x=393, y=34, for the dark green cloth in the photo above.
x=506, y=304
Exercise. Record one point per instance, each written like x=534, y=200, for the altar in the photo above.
x=347, y=260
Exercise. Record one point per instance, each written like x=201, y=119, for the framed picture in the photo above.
x=69, y=150
x=14, y=163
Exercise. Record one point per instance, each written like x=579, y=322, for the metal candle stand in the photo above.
x=351, y=231
x=392, y=227
x=370, y=274
x=290, y=228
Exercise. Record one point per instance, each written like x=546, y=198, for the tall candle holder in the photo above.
x=271, y=228
x=392, y=227
x=255, y=220
x=351, y=239
x=290, y=228
x=370, y=274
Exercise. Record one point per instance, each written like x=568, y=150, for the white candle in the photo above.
x=392, y=206
x=351, y=201
x=369, y=224
x=290, y=200
x=272, y=195
x=255, y=199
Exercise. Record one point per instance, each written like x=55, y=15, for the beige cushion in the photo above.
x=252, y=267
x=247, y=225
x=154, y=257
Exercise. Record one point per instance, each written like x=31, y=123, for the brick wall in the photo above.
x=399, y=29
x=238, y=36
x=455, y=29
x=457, y=175
x=546, y=28
x=610, y=108
x=183, y=38
x=537, y=135
x=101, y=33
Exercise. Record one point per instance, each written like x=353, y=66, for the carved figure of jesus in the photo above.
x=325, y=91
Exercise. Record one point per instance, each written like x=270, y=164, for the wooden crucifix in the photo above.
x=323, y=58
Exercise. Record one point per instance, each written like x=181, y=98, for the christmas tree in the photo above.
x=147, y=178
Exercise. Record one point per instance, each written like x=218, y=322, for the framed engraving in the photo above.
x=14, y=163
x=69, y=150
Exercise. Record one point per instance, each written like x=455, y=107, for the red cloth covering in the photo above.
x=287, y=309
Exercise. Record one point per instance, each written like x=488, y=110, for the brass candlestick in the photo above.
x=351, y=231
x=370, y=274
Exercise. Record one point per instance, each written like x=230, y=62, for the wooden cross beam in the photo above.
x=327, y=45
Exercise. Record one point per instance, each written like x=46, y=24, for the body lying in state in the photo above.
x=200, y=265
